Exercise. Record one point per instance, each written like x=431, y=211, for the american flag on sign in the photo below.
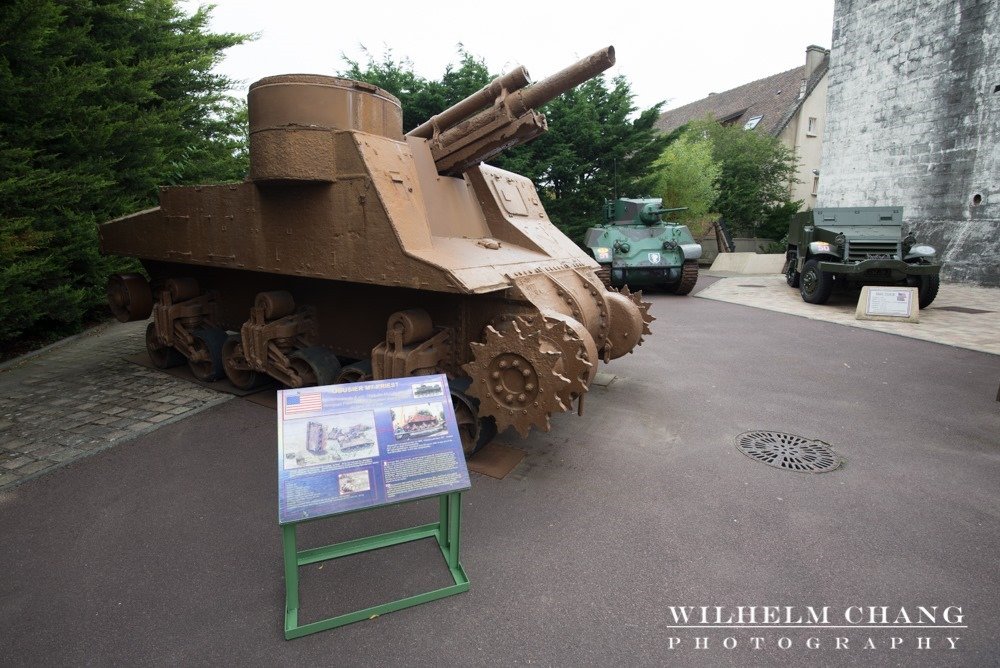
x=303, y=403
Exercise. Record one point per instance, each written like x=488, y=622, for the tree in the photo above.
x=420, y=98
x=100, y=101
x=687, y=175
x=756, y=169
x=593, y=151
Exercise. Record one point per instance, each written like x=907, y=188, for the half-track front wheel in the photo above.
x=791, y=274
x=162, y=357
x=927, y=288
x=815, y=285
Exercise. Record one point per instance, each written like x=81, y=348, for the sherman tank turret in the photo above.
x=638, y=248
x=352, y=252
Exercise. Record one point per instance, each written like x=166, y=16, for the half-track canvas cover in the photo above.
x=355, y=252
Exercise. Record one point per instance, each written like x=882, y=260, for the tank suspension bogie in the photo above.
x=279, y=340
x=413, y=346
x=186, y=320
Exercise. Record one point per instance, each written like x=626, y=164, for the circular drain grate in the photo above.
x=788, y=451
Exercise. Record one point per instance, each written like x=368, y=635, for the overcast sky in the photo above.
x=673, y=51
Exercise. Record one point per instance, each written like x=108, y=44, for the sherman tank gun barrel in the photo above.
x=485, y=96
x=510, y=121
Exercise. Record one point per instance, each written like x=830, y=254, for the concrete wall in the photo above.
x=710, y=249
x=914, y=120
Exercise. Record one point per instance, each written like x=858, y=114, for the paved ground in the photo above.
x=947, y=320
x=165, y=550
x=82, y=396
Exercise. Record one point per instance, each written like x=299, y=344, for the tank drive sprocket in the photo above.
x=636, y=298
x=577, y=350
x=515, y=379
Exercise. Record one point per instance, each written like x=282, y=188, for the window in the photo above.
x=811, y=130
x=815, y=185
x=752, y=123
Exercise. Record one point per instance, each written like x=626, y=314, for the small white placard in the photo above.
x=889, y=302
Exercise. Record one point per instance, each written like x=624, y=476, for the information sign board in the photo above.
x=889, y=302
x=361, y=445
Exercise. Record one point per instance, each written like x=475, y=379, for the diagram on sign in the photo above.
x=327, y=439
x=418, y=421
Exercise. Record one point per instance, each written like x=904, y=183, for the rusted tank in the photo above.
x=354, y=252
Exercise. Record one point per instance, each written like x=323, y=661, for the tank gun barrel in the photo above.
x=510, y=121
x=485, y=96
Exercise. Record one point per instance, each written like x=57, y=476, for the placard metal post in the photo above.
x=446, y=531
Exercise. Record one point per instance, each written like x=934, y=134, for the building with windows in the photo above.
x=789, y=105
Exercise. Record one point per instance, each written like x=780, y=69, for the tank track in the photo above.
x=689, y=276
x=604, y=273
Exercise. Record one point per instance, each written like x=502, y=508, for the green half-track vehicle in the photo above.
x=639, y=249
x=850, y=247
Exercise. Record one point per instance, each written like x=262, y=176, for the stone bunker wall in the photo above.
x=914, y=120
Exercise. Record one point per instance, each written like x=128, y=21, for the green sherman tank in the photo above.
x=639, y=249
x=855, y=246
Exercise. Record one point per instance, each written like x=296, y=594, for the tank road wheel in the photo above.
x=474, y=430
x=515, y=380
x=129, y=297
x=689, y=276
x=815, y=285
x=236, y=366
x=355, y=373
x=604, y=273
x=162, y=357
x=206, y=360
x=315, y=366
x=927, y=288
x=636, y=298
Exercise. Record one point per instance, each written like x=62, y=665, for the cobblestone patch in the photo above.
x=82, y=397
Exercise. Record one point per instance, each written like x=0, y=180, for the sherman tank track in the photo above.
x=604, y=273
x=689, y=276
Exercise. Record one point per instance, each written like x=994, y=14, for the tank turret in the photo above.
x=638, y=248
x=354, y=252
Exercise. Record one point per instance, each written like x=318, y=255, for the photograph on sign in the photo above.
x=360, y=445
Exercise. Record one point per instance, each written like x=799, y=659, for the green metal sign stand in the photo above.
x=446, y=530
